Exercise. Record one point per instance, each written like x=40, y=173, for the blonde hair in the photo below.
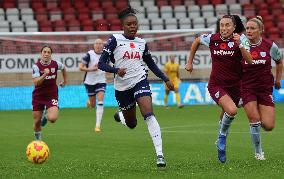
x=258, y=20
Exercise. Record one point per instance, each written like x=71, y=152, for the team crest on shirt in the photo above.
x=231, y=44
x=52, y=70
x=216, y=44
x=217, y=95
x=263, y=54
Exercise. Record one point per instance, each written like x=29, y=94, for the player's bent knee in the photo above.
x=268, y=127
x=232, y=111
x=131, y=124
x=52, y=119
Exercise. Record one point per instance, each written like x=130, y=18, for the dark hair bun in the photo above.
x=126, y=12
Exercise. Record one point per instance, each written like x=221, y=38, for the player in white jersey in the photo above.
x=127, y=52
x=94, y=80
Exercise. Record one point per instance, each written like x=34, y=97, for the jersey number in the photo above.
x=54, y=102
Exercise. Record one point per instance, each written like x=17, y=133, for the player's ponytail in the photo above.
x=239, y=24
x=129, y=11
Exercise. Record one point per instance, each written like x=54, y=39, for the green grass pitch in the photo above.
x=189, y=136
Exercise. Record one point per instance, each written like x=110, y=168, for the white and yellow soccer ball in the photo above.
x=37, y=152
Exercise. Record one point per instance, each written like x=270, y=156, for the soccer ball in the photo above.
x=37, y=152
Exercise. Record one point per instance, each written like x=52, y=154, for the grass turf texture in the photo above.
x=188, y=134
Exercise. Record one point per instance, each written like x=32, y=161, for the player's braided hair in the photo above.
x=129, y=11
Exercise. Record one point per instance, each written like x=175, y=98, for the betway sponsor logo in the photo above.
x=256, y=62
x=224, y=52
x=50, y=77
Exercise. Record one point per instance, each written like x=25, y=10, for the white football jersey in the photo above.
x=127, y=54
x=97, y=76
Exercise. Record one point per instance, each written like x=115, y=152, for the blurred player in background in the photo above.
x=94, y=80
x=172, y=71
x=258, y=82
x=127, y=52
x=45, y=93
x=227, y=51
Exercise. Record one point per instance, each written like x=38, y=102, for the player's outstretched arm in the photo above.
x=193, y=49
x=279, y=67
x=64, y=77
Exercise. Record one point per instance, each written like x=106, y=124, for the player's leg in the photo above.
x=252, y=111
x=91, y=103
x=37, y=115
x=177, y=95
x=267, y=116
x=127, y=113
x=37, y=124
x=52, y=114
x=90, y=89
x=99, y=110
x=167, y=91
x=267, y=111
x=144, y=100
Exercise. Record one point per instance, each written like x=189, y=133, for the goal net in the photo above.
x=20, y=50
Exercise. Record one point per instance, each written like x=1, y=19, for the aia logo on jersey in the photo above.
x=131, y=55
x=132, y=45
x=254, y=55
x=223, y=46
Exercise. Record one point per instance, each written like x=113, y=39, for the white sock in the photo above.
x=226, y=123
x=155, y=132
x=121, y=117
x=99, y=113
x=37, y=135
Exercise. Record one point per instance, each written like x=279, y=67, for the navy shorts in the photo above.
x=127, y=99
x=92, y=90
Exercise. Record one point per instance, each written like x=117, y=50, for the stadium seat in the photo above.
x=157, y=24
x=59, y=25
x=228, y=2
x=120, y=5
x=180, y=11
x=203, y=2
x=31, y=26
x=171, y=23
x=244, y=2
x=235, y=9
x=160, y=3
x=176, y=3
x=211, y=22
x=17, y=26
x=74, y=25
x=189, y=2
x=101, y=25
x=215, y=2
x=136, y=4
x=9, y=4
x=12, y=14
x=198, y=22
x=185, y=23
x=4, y=26
x=166, y=12
x=207, y=11
x=87, y=25
x=249, y=10
x=193, y=11
x=55, y=14
x=221, y=9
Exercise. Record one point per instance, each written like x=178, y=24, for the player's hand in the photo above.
x=189, y=67
x=94, y=68
x=121, y=72
x=46, y=71
x=62, y=83
x=277, y=85
x=237, y=38
x=170, y=85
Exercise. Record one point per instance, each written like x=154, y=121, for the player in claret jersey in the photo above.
x=258, y=82
x=45, y=93
x=128, y=53
x=227, y=49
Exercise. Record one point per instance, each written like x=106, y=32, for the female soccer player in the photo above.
x=172, y=71
x=227, y=50
x=45, y=93
x=258, y=82
x=127, y=52
x=95, y=80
